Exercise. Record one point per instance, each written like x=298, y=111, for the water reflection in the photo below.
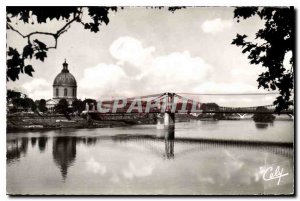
x=64, y=148
x=169, y=142
x=209, y=122
x=64, y=153
x=161, y=144
x=88, y=140
x=203, y=158
x=33, y=141
x=260, y=125
x=15, y=148
x=42, y=143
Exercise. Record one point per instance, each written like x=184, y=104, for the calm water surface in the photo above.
x=145, y=160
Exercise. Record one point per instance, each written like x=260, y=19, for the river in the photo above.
x=198, y=157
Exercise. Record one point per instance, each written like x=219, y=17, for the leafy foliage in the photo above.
x=62, y=107
x=272, y=44
x=26, y=103
x=262, y=116
x=42, y=105
x=90, y=102
x=11, y=94
x=17, y=61
x=174, y=8
x=20, y=101
x=78, y=105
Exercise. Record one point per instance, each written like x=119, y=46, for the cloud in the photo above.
x=38, y=88
x=138, y=170
x=138, y=72
x=95, y=167
x=128, y=49
x=101, y=80
x=216, y=25
x=179, y=68
x=173, y=72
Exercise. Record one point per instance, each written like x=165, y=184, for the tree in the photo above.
x=91, y=18
x=78, y=105
x=262, y=115
x=42, y=105
x=11, y=94
x=62, y=107
x=21, y=100
x=27, y=103
x=90, y=102
x=17, y=102
x=33, y=106
x=269, y=49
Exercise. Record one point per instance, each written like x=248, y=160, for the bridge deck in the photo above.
x=174, y=103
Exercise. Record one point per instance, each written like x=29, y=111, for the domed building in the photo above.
x=65, y=85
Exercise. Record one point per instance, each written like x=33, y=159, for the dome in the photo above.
x=65, y=78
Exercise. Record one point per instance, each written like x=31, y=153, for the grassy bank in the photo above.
x=35, y=121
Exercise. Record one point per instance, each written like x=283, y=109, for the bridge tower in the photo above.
x=169, y=116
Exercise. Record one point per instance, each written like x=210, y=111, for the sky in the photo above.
x=148, y=51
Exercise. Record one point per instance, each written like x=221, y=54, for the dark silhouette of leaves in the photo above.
x=14, y=64
x=96, y=16
x=13, y=52
x=87, y=26
x=25, y=16
x=245, y=12
x=94, y=27
x=42, y=13
x=41, y=45
x=13, y=73
x=28, y=51
x=174, y=8
x=28, y=70
x=239, y=40
x=275, y=39
x=40, y=55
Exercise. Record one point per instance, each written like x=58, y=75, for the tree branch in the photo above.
x=15, y=30
x=40, y=32
x=63, y=29
x=54, y=35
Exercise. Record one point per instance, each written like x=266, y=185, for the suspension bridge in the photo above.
x=169, y=104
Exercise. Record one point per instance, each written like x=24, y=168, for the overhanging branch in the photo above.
x=54, y=35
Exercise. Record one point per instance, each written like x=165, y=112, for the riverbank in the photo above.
x=33, y=121
x=37, y=122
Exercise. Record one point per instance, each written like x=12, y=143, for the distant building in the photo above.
x=64, y=87
x=50, y=104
